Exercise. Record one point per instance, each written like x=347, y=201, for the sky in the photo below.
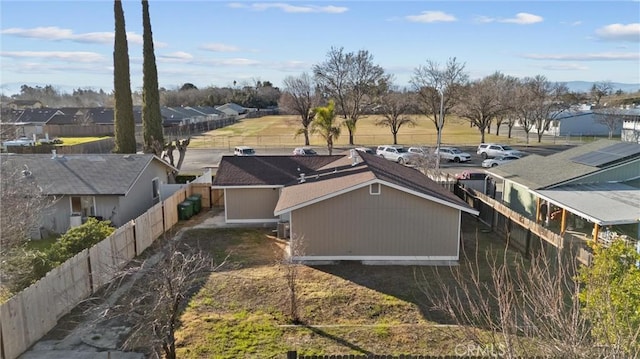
x=69, y=44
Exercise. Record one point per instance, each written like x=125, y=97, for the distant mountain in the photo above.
x=585, y=86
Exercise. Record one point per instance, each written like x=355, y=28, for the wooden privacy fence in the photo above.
x=30, y=314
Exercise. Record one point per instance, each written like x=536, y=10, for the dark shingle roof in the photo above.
x=267, y=170
x=324, y=175
x=37, y=115
x=81, y=174
x=407, y=177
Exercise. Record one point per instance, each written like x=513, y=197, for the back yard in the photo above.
x=347, y=308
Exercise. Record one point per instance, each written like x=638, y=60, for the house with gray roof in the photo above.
x=113, y=187
x=594, y=185
x=232, y=109
x=353, y=207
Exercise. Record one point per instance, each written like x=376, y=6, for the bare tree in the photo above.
x=22, y=203
x=547, y=102
x=292, y=275
x=611, y=117
x=520, y=307
x=395, y=107
x=438, y=88
x=599, y=90
x=353, y=81
x=481, y=102
x=160, y=296
x=299, y=97
x=170, y=147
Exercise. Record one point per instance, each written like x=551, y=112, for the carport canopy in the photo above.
x=601, y=203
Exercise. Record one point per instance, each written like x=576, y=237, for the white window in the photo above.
x=374, y=189
x=155, y=185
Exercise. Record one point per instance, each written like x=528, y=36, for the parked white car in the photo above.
x=304, y=151
x=394, y=153
x=452, y=154
x=244, y=151
x=492, y=162
x=490, y=150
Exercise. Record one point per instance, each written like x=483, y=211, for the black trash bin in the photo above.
x=196, y=198
x=185, y=210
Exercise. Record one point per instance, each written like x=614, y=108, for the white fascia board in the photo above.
x=391, y=185
x=245, y=187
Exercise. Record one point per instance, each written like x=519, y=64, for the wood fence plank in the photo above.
x=14, y=329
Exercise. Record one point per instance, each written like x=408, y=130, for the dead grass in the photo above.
x=278, y=131
x=346, y=308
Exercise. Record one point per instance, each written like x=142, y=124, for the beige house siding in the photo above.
x=391, y=224
x=250, y=204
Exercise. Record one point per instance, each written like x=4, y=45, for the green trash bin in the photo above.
x=196, y=198
x=185, y=210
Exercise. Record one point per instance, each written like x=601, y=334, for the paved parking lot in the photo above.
x=198, y=160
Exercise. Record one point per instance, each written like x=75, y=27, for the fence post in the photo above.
x=292, y=354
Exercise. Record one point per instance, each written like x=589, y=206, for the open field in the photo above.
x=70, y=141
x=348, y=308
x=278, y=131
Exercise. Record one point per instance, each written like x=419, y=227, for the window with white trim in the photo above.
x=374, y=189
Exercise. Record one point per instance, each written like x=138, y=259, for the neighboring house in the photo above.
x=357, y=207
x=597, y=183
x=232, y=109
x=108, y=186
x=25, y=104
x=631, y=125
x=579, y=123
x=33, y=121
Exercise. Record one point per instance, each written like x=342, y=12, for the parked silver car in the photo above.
x=452, y=154
x=394, y=153
x=492, y=162
x=490, y=150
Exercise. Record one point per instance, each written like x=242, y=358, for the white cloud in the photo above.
x=431, y=16
x=523, y=18
x=54, y=33
x=70, y=56
x=603, y=56
x=620, y=32
x=483, y=19
x=178, y=56
x=218, y=47
x=566, y=67
x=330, y=9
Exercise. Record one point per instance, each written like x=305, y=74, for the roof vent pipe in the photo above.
x=54, y=154
x=353, y=156
x=302, y=179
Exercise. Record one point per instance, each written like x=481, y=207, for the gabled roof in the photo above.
x=207, y=110
x=325, y=177
x=234, y=106
x=537, y=172
x=62, y=119
x=104, y=115
x=81, y=174
x=267, y=170
x=38, y=115
x=345, y=177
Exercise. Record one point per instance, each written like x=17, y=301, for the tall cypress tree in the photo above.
x=151, y=117
x=125, y=127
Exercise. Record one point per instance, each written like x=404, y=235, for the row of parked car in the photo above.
x=493, y=154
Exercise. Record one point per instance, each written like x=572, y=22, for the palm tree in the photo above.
x=325, y=125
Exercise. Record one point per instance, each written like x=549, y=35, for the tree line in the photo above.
x=358, y=87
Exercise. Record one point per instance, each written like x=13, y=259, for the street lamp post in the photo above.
x=439, y=129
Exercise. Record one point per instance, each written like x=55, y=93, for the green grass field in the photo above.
x=279, y=131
